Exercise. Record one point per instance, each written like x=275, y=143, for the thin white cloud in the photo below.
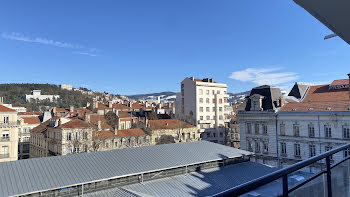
x=85, y=53
x=264, y=76
x=39, y=40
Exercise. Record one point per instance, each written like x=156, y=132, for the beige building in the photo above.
x=203, y=102
x=26, y=124
x=171, y=131
x=8, y=134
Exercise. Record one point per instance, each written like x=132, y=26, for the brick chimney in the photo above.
x=349, y=84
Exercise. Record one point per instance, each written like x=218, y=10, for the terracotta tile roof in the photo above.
x=320, y=98
x=168, y=124
x=62, y=110
x=31, y=120
x=130, y=132
x=102, y=106
x=75, y=123
x=121, y=133
x=124, y=114
x=121, y=107
x=340, y=82
x=34, y=113
x=6, y=109
x=41, y=128
x=94, y=118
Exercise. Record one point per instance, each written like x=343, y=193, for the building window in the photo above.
x=213, y=100
x=207, y=91
x=208, y=117
x=297, y=150
x=266, y=147
x=346, y=132
x=296, y=130
x=85, y=135
x=283, y=148
x=312, y=150
x=283, y=129
x=218, y=91
x=256, y=128
x=220, y=117
x=200, y=100
x=201, y=109
x=347, y=153
x=200, y=92
x=76, y=149
x=207, y=109
x=201, y=117
x=69, y=136
x=85, y=148
x=249, y=128
x=214, y=109
x=220, y=101
x=328, y=148
x=207, y=100
x=76, y=136
x=328, y=131
x=311, y=130
x=264, y=126
x=257, y=146
x=220, y=109
x=4, y=151
x=6, y=119
x=5, y=135
x=250, y=145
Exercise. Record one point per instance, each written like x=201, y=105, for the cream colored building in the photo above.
x=171, y=131
x=203, y=102
x=8, y=134
x=26, y=124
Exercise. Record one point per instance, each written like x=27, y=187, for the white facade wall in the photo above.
x=337, y=121
x=200, y=104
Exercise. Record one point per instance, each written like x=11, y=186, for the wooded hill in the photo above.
x=15, y=94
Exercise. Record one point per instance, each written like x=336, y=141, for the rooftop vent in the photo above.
x=310, y=109
x=328, y=108
x=294, y=109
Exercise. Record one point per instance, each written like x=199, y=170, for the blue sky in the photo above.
x=138, y=46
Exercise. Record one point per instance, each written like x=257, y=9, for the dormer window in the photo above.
x=256, y=102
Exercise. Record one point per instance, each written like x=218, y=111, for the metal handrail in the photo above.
x=282, y=173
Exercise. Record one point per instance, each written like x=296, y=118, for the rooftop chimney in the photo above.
x=349, y=84
x=116, y=130
x=1, y=100
x=71, y=108
x=99, y=125
x=110, y=104
x=87, y=117
x=54, y=110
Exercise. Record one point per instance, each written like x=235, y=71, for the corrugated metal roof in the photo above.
x=38, y=174
x=205, y=183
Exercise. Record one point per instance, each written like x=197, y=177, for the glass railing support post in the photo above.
x=285, y=185
x=329, y=181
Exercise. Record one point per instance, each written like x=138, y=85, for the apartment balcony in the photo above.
x=4, y=139
x=327, y=178
x=8, y=124
x=3, y=156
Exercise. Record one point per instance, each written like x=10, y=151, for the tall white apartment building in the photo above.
x=203, y=102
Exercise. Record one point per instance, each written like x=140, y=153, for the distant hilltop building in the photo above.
x=66, y=87
x=36, y=94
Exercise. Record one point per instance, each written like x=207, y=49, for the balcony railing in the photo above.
x=14, y=123
x=2, y=156
x=336, y=178
x=4, y=139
